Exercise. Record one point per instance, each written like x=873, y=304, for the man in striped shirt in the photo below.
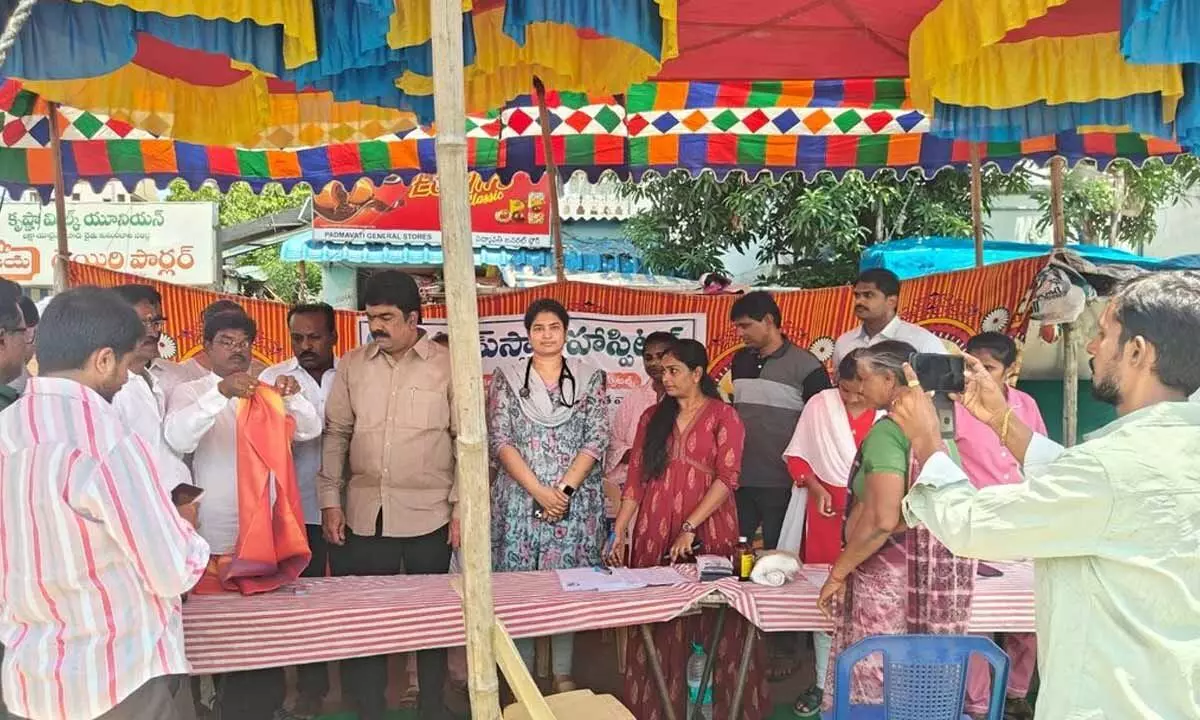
x=93, y=556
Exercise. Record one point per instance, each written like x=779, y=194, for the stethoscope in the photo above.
x=563, y=376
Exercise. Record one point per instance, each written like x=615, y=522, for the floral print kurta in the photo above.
x=708, y=451
x=519, y=541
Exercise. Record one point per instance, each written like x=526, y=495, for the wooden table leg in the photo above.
x=735, y=709
x=694, y=710
x=656, y=671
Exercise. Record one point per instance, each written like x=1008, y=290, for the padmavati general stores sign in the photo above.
x=502, y=215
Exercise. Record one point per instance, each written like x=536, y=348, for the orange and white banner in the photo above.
x=955, y=306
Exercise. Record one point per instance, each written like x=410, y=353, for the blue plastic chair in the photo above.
x=924, y=677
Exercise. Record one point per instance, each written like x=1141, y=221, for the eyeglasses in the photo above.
x=232, y=345
x=155, y=323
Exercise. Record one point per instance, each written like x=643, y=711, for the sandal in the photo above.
x=1018, y=709
x=808, y=705
x=409, y=698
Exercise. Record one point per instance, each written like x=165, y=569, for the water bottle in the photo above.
x=695, y=671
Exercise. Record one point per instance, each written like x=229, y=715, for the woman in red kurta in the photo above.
x=683, y=470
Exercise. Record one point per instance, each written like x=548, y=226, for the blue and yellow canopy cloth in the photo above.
x=299, y=72
x=1007, y=70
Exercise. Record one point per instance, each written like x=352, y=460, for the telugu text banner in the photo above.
x=161, y=241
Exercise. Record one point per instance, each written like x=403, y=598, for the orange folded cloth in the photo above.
x=272, y=546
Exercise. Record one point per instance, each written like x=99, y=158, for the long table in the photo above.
x=320, y=620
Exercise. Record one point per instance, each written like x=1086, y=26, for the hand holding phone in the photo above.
x=942, y=375
x=186, y=494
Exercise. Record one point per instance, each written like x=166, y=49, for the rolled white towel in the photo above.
x=775, y=569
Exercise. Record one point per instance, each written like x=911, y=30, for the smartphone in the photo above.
x=940, y=373
x=987, y=571
x=539, y=513
x=186, y=493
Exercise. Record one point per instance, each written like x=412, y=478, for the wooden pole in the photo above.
x=552, y=173
x=62, y=254
x=977, y=203
x=302, y=282
x=466, y=367
x=1070, y=343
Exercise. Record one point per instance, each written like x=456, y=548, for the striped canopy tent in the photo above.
x=757, y=126
x=1012, y=69
x=283, y=73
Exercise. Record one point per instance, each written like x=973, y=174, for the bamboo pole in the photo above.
x=977, y=204
x=552, y=173
x=1070, y=343
x=462, y=316
x=62, y=254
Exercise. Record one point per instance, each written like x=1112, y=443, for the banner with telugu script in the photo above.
x=955, y=306
x=611, y=342
x=161, y=241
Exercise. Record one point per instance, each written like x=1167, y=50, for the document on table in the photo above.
x=612, y=579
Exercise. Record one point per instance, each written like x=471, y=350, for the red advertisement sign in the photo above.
x=513, y=215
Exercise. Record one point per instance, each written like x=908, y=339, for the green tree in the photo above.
x=812, y=231
x=1118, y=206
x=240, y=204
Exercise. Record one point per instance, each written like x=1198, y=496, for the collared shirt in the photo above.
x=915, y=335
x=984, y=459
x=22, y=380
x=170, y=375
x=624, y=429
x=392, y=417
x=93, y=557
x=307, y=454
x=769, y=394
x=1112, y=527
x=142, y=405
x=9, y=395
x=202, y=422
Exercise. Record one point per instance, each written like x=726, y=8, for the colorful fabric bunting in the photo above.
x=865, y=125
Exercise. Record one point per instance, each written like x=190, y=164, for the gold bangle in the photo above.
x=1005, y=425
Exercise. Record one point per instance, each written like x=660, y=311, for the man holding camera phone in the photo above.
x=1110, y=523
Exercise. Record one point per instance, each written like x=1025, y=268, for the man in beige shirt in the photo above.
x=389, y=414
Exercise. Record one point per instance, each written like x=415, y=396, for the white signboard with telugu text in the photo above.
x=171, y=242
x=611, y=342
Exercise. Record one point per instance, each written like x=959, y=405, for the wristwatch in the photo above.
x=687, y=527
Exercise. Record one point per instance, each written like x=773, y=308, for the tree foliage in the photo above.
x=812, y=231
x=1118, y=206
x=240, y=204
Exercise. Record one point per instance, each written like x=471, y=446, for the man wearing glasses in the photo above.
x=202, y=421
x=15, y=340
x=142, y=401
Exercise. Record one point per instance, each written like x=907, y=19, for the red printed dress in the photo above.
x=708, y=451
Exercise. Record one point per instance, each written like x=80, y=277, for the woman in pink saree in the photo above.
x=888, y=579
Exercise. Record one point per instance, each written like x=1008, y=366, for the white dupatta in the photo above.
x=824, y=440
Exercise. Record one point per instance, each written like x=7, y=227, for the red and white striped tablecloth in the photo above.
x=338, y=618
x=1001, y=604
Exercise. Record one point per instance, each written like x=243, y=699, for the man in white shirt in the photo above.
x=1111, y=523
x=95, y=557
x=202, y=422
x=313, y=331
x=876, y=304
x=142, y=402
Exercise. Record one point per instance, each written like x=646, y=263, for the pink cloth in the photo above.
x=1022, y=655
x=985, y=461
x=624, y=427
